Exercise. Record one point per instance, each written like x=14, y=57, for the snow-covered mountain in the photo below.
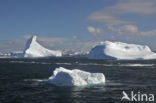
x=34, y=49
x=119, y=50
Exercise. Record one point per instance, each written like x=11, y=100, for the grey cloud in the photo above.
x=141, y=7
x=12, y=45
x=125, y=29
x=106, y=19
x=110, y=15
x=95, y=31
x=148, y=33
x=132, y=30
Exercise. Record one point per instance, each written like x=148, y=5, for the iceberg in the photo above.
x=64, y=77
x=34, y=49
x=71, y=53
x=121, y=51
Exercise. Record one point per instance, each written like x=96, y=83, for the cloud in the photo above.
x=128, y=29
x=125, y=29
x=110, y=15
x=95, y=31
x=112, y=38
x=27, y=36
x=53, y=43
x=132, y=30
x=148, y=33
x=74, y=37
x=141, y=7
x=65, y=43
x=106, y=19
x=19, y=45
x=12, y=45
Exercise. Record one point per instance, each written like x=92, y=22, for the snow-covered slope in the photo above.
x=119, y=50
x=34, y=49
x=65, y=77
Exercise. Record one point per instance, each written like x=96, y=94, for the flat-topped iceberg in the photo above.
x=34, y=49
x=64, y=77
x=121, y=51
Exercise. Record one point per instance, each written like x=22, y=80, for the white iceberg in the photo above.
x=34, y=49
x=65, y=77
x=121, y=51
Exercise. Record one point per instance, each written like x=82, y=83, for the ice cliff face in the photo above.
x=34, y=49
x=64, y=77
x=119, y=50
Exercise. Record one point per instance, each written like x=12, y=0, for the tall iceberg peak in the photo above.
x=119, y=50
x=34, y=49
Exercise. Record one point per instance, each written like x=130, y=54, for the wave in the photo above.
x=137, y=65
x=63, y=63
x=126, y=65
x=32, y=62
x=35, y=80
x=84, y=64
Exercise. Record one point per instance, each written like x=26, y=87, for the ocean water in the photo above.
x=25, y=80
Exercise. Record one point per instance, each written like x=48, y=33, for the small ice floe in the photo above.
x=29, y=62
x=64, y=77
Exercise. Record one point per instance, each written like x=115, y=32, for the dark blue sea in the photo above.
x=25, y=80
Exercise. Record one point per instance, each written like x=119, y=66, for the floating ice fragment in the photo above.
x=64, y=77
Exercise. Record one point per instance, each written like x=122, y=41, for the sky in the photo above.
x=76, y=24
